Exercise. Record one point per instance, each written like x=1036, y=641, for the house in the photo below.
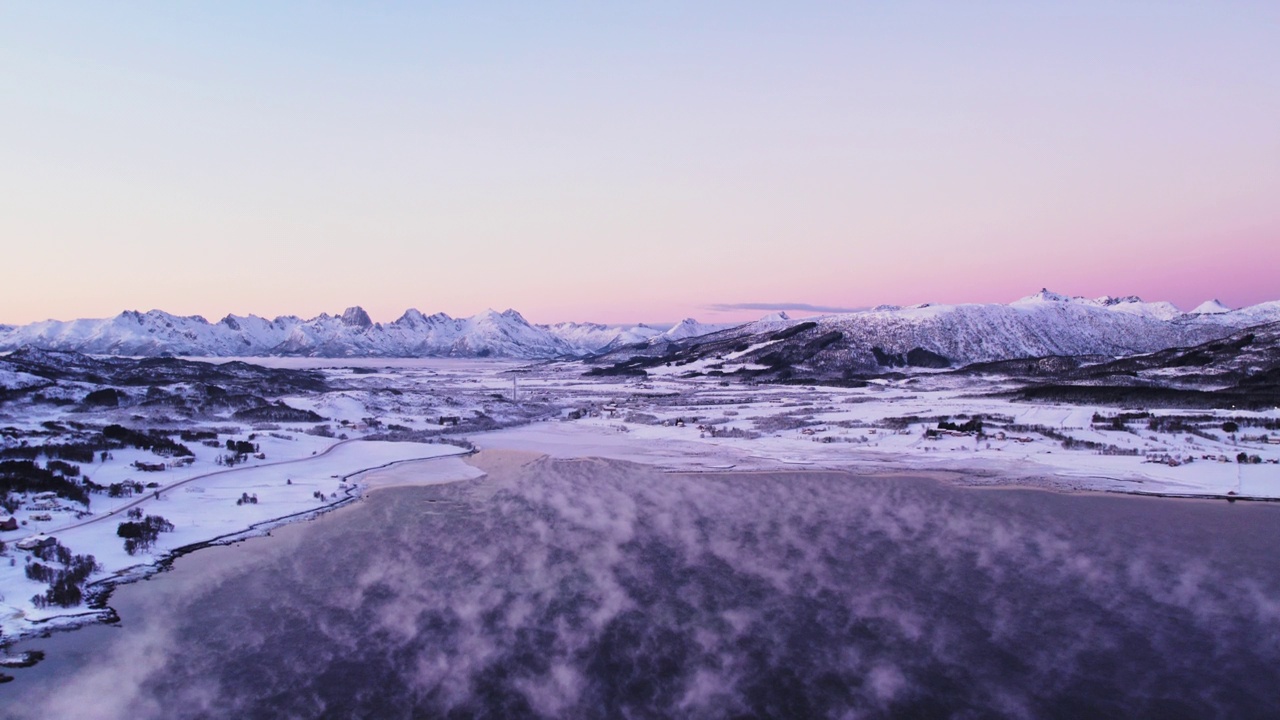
x=36, y=541
x=10, y=524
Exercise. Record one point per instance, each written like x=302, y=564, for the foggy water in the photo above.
x=596, y=589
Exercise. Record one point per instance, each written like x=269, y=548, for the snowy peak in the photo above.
x=1044, y=296
x=411, y=318
x=356, y=317
x=1210, y=307
x=414, y=318
x=1108, y=301
x=1126, y=304
x=687, y=327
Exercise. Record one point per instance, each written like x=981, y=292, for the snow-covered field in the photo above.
x=203, y=506
x=697, y=423
x=693, y=423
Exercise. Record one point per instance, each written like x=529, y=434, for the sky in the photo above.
x=623, y=162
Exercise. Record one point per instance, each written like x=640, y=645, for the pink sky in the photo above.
x=633, y=164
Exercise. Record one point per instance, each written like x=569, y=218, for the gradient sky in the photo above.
x=632, y=161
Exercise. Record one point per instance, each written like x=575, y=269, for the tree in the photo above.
x=142, y=535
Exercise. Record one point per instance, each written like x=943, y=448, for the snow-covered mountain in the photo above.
x=930, y=335
x=1045, y=323
x=689, y=327
x=590, y=338
x=1042, y=324
x=350, y=334
x=1210, y=307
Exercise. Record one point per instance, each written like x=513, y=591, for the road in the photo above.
x=151, y=494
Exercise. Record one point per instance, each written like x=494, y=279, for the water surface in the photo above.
x=589, y=588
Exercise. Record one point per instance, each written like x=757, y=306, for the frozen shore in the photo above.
x=204, y=511
x=960, y=460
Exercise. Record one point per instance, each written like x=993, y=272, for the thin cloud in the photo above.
x=799, y=307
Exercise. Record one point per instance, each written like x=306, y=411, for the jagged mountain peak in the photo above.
x=355, y=316
x=1108, y=300
x=413, y=318
x=1044, y=296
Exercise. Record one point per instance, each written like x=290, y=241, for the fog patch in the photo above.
x=599, y=589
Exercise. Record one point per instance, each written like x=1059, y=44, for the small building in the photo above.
x=10, y=524
x=36, y=541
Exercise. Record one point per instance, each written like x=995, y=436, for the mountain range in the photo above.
x=940, y=336
x=349, y=334
x=1042, y=324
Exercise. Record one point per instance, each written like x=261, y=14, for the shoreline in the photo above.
x=485, y=460
x=957, y=478
x=98, y=592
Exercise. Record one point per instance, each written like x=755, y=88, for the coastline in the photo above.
x=440, y=541
x=500, y=455
x=96, y=606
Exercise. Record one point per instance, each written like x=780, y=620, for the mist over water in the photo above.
x=589, y=588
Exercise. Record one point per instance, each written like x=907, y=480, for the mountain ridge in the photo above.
x=934, y=336
x=1045, y=323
